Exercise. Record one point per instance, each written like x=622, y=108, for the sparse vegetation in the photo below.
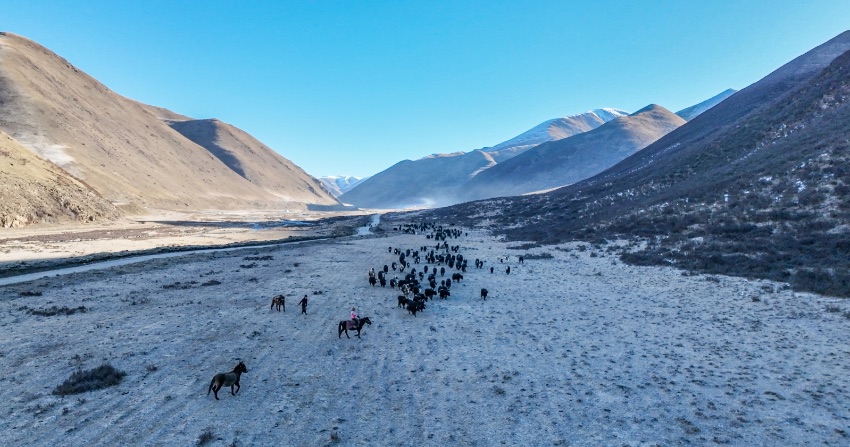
x=526, y=246
x=206, y=436
x=39, y=409
x=56, y=310
x=179, y=285
x=103, y=376
x=544, y=255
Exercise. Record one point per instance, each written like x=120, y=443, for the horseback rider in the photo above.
x=355, y=318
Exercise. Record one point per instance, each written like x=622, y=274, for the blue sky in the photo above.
x=352, y=87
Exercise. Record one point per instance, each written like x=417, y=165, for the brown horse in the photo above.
x=230, y=379
x=279, y=301
x=343, y=326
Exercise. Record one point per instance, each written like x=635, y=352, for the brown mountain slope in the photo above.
x=117, y=146
x=255, y=161
x=566, y=161
x=34, y=190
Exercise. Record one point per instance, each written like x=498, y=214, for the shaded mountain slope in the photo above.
x=562, y=162
x=757, y=186
x=430, y=181
x=254, y=161
x=34, y=190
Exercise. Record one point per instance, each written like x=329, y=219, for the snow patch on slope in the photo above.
x=340, y=184
x=559, y=128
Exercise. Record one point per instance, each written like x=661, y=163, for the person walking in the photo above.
x=303, y=304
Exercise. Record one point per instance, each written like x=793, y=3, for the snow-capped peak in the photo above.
x=559, y=128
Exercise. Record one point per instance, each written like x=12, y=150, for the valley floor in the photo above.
x=578, y=349
x=40, y=247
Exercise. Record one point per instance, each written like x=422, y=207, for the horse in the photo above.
x=279, y=301
x=230, y=379
x=343, y=326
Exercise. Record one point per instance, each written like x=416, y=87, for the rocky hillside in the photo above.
x=34, y=190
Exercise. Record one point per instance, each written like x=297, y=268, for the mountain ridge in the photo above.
x=119, y=147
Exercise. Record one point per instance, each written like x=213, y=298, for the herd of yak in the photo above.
x=421, y=284
x=417, y=287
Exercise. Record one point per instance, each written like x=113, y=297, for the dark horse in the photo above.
x=230, y=379
x=343, y=326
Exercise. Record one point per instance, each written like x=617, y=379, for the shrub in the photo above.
x=544, y=255
x=94, y=379
x=55, y=310
x=206, y=436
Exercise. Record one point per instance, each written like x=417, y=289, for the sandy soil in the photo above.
x=578, y=349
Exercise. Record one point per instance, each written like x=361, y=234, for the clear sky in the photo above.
x=352, y=87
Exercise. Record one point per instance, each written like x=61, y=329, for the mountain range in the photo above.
x=338, y=185
x=127, y=153
x=568, y=160
x=439, y=179
x=554, y=153
x=757, y=186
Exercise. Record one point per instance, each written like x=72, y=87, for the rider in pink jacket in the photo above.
x=354, y=316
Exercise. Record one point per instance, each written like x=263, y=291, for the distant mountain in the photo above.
x=446, y=174
x=427, y=182
x=120, y=148
x=338, y=185
x=757, y=186
x=694, y=110
x=552, y=130
x=561, y=162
